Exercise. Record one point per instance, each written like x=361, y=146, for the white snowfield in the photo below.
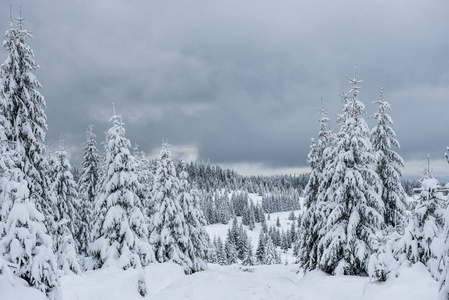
x=275, y=282
x=168, y=282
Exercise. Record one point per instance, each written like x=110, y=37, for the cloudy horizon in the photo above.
x=239, y=84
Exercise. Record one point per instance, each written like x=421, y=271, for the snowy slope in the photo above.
x=221, y=230
x=167, y=281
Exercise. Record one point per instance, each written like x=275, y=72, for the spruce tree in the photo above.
x=271, y=256
x=260, y=251
x=88, y=183
x=25, y=245
x=195, y=222
x=67, y=216
x=121, y=235
x=25, y=122
x=248, y=259
x=170, y=234
x=145, y=177
x=352, y=202
x=389, y=164
x=426, y=222
x=24, y=242
x=310, y=224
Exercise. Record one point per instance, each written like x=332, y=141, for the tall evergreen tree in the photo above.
x=67, y=213
x=24, y=242
x=389, y=164
x=426, y=221
x=198, y=242
x=145, y=177
x=121, y=235
x=170, y=234
x=25, y=246
x=25, y=122
x=312, y=222
x=88, y=183
x=352, y=201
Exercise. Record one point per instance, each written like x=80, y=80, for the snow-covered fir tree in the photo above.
x=439, y=264
x=352, y=202
x=170, y=234
x=88, y=183
x=312, y=222
x=261, y=244
x=25, y=122
x=145, y=177
x=67, y=211
x=198, y=239
x=121, y=231
x=25, y=246
x=389, y=164
x=426, y=221
x=271, y=256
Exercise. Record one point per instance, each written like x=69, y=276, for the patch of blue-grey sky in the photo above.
x=239, y=82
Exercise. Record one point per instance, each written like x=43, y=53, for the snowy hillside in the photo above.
x=220, y=230
x=282, y=281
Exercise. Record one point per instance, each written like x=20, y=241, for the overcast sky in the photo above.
x=239, y=82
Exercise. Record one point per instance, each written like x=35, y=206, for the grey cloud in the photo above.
x=240, y=81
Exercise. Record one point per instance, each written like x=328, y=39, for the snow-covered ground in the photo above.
x=221, y=230
x=167, y=281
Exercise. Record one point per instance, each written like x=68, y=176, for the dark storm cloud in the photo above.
x=239, y=81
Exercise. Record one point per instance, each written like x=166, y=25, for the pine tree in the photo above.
x=195, y=222
x=121, y=230
x=25, y=245
x=248, y=259
x=221, y=254
x=170, y=234
x=23, y=107
x=426, y=222
x=271, y=257
x=260, y=251
x=230, y=251
x=352, y=201
x=67, y=213
x=88, y=183
x=389, y=164
x=312, y=222
x=291, y=216
x=145, y=177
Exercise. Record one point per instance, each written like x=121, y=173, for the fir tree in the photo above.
x=389, y=164
x=270, y=257
x=170, y=235
x=260, y=251
x=121, y=230
x=313, y=221
x=88, y=183
x=352, y=201
x=24, y=243
x=25, y=122
x=426, y=222
x=248, y=259
x=195, y=222
x=67, y=213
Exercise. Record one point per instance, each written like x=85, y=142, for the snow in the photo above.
x=221, y=230
x=19, y=290
x=167, y=281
